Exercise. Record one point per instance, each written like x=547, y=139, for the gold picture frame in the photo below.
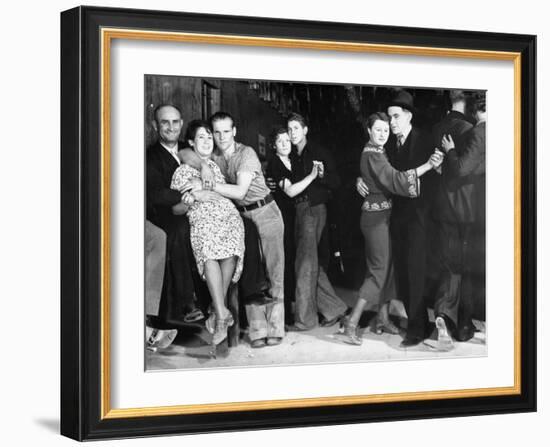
x=87, y=36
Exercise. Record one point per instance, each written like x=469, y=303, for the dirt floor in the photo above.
x=191, y=348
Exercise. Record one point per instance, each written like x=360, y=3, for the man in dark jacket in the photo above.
x=410, y=148
x=177, y=300
x=460, y=212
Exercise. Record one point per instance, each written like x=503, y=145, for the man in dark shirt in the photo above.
x=314, y=292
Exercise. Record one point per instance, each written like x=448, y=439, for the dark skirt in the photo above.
x=379, y=284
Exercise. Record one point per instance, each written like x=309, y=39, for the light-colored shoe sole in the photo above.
x=161, y=340
x=348, y=339
x=444, y=340
x=166, y=338
x=352, y=341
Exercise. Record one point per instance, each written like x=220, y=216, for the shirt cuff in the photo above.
x=414, y=183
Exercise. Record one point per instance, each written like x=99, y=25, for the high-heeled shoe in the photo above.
x=349, y=332
x=210, y=322
x=387, y=326
x=220, y=331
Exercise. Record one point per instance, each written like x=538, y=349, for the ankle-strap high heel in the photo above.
x=220, y=331
x=350, y=332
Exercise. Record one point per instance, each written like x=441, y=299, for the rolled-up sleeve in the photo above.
x=249, y=163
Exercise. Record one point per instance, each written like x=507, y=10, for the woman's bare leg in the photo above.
x=227, y=267
x=384, y=324
x=350, y=323
x=357, y=311
x=384, y=312
x=214, y=281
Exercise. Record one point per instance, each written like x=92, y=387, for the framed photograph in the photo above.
x=273, y=223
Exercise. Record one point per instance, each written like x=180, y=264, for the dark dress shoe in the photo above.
x=411, y=341
x=465, y=333
x=333, y=321
x=385, y=326
x=260, y=299
x=193, y=316
x=294, y=328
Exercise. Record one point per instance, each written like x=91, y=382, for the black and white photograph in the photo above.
x=294, y=223
x=289, y=221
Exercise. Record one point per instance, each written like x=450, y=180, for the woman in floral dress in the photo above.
x=217, y=231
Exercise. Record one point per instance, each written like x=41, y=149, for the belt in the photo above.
x=303, y=198
x=267, y=199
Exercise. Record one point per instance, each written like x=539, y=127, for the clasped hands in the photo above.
x=207, y=176
x=435, y=162
x=436, y=159
x=193, y=190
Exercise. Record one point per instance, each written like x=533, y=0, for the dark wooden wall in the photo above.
x=253, y=115
x=182, y=92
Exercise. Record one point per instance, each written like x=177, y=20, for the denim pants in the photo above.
x=268, y=320
x=254, y=281
x=314, y=292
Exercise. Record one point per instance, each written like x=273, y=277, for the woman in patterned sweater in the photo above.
x=382, y=181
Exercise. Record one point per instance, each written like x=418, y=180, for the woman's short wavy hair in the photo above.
x=275, y=134
x=194, y=126
x=376, y=116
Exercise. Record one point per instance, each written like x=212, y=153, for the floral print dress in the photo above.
x=217, y=230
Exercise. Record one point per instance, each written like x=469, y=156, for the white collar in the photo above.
x=406, y=133
x=286, y=161
x=173, y=151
